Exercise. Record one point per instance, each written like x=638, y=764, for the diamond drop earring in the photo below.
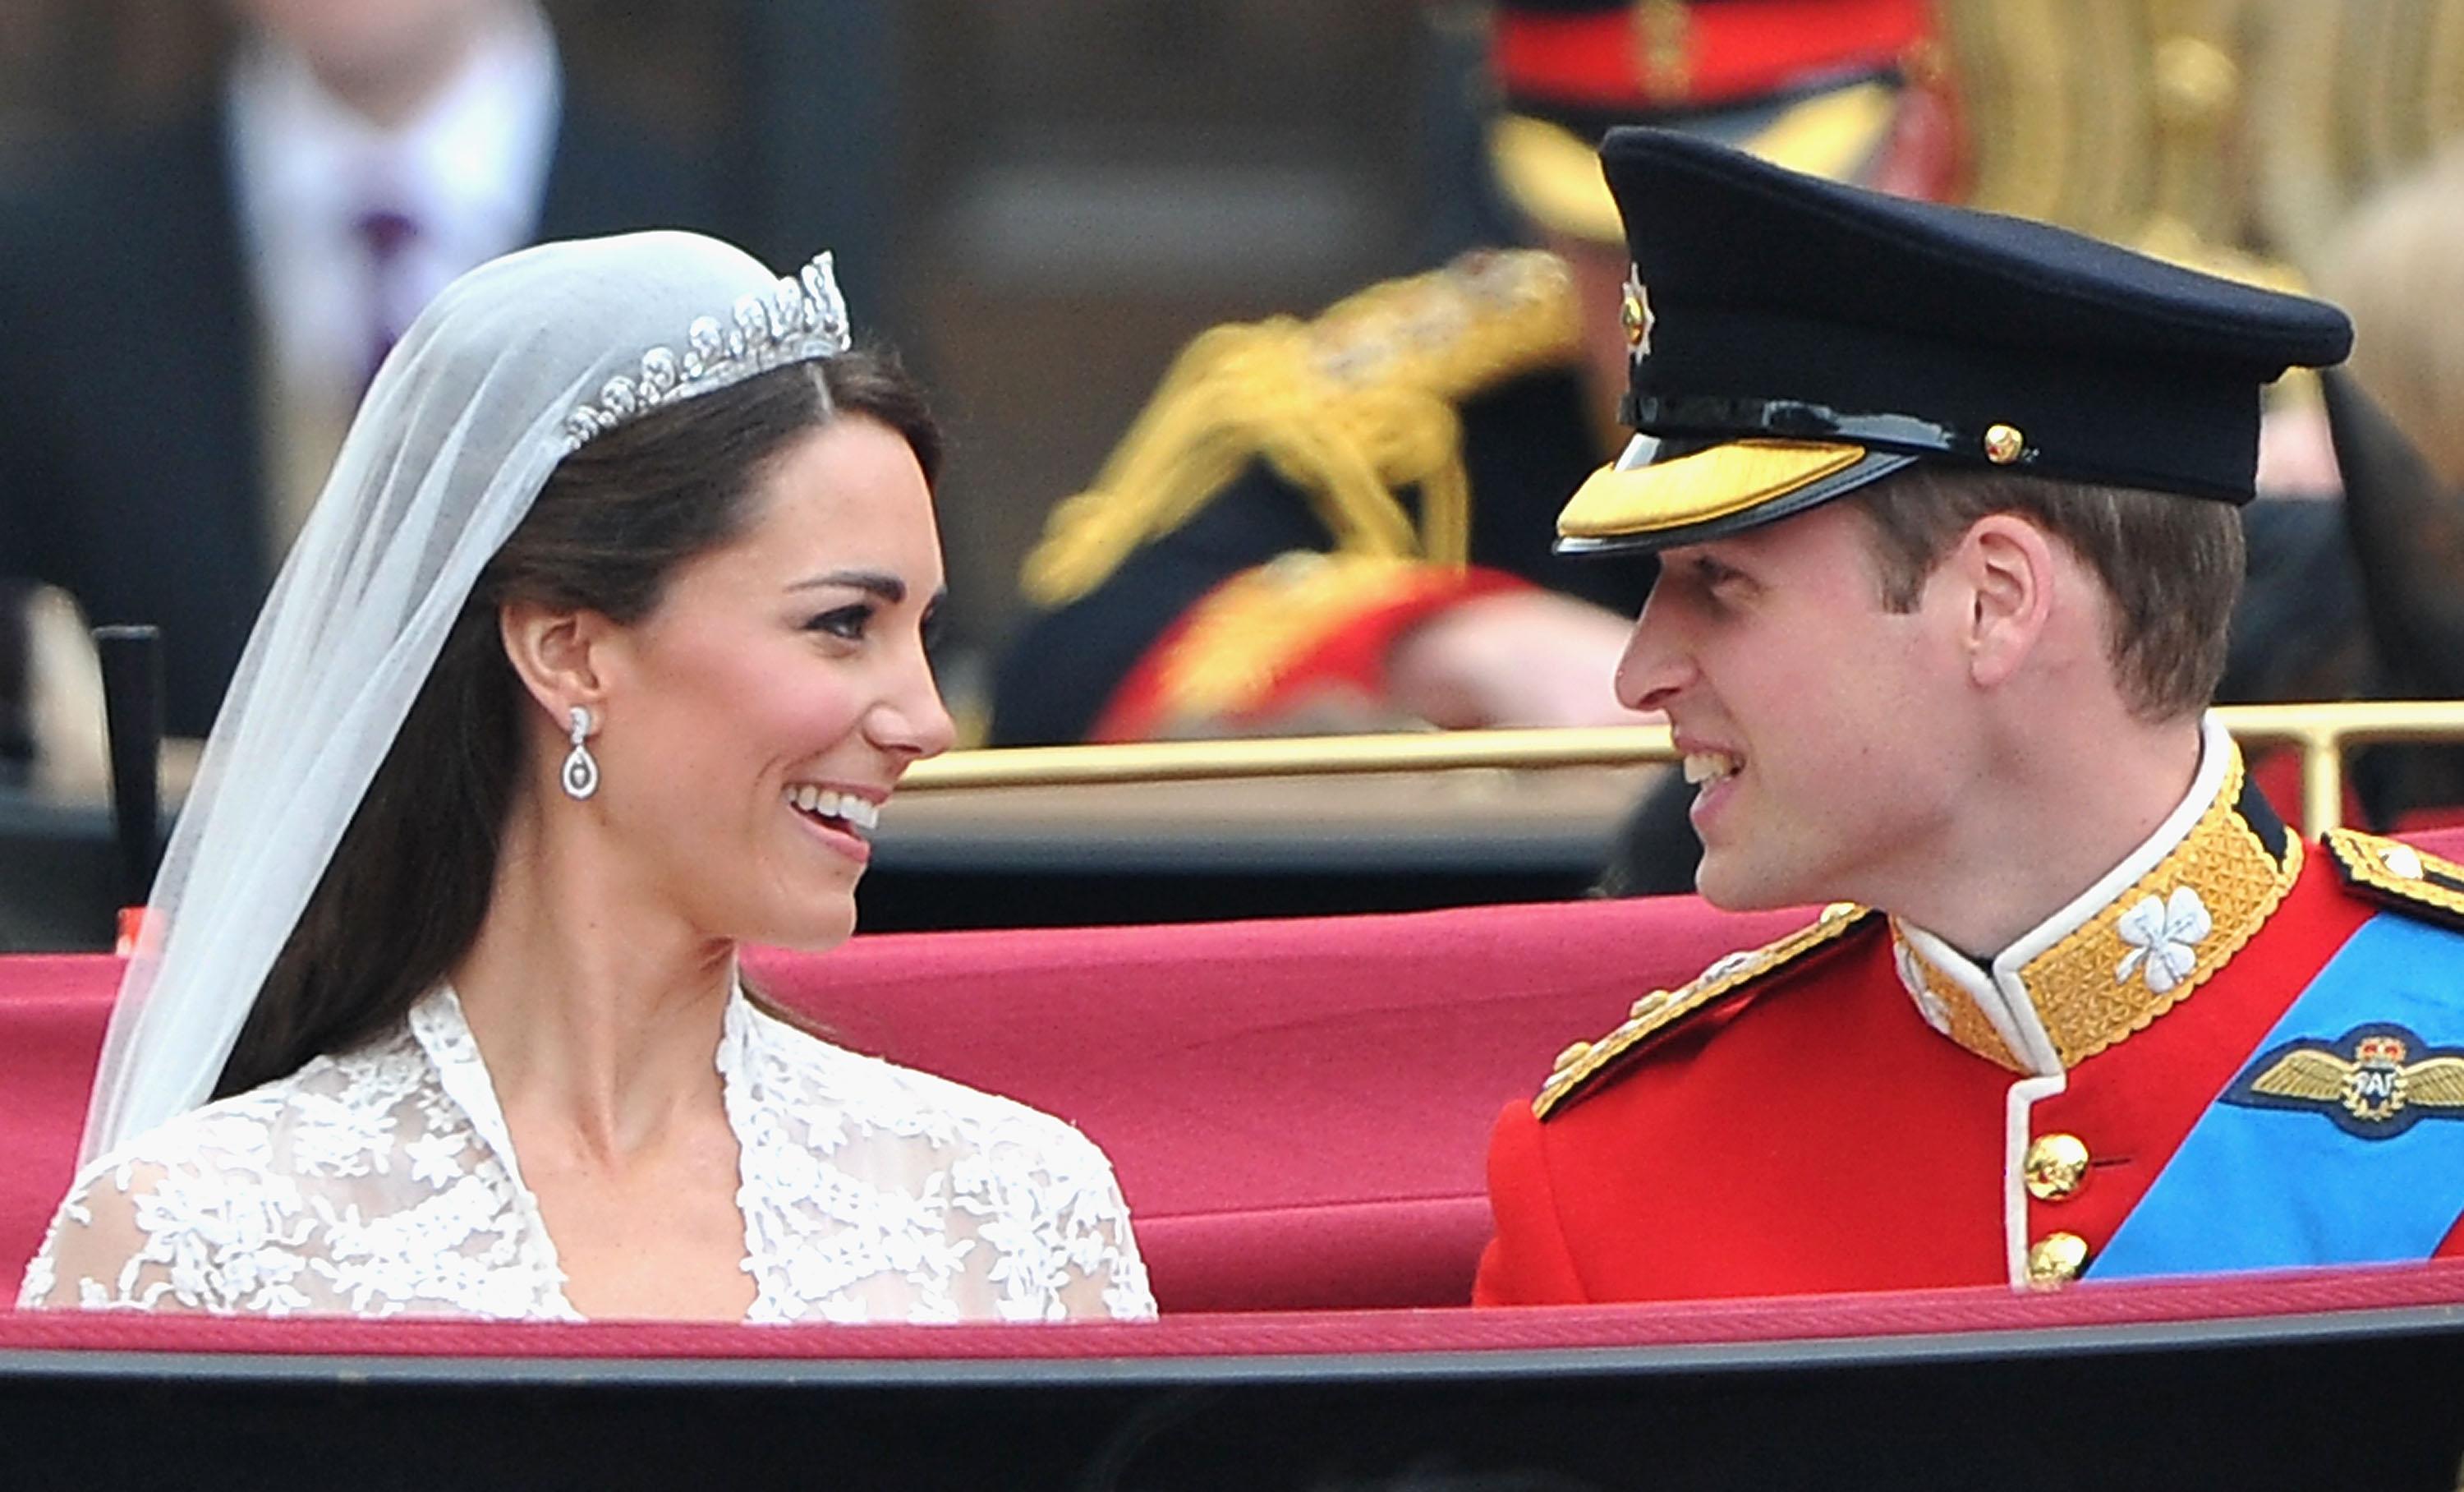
x=580, y=773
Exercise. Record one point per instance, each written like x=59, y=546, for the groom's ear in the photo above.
x=560, y=654
x=2006, y=565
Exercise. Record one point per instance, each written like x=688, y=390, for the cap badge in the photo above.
x=2366, y=1080
x=2004, y=444
x=1634, y=312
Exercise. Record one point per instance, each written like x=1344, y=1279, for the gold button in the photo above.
x=2403, y=861
x=1649, y=1004
x=2004, y=444
x=2055, y=1168
x=1573, y=1055
x=2056, y=1259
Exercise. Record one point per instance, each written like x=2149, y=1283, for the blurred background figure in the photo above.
x=1344, y=524
x=193, y=310
x=2397, y=264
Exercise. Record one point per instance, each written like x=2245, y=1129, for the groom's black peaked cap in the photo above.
x=1794, y=338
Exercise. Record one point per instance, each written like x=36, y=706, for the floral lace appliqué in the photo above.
x=384, y=1182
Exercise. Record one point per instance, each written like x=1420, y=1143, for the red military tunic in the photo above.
x=1858, y=1107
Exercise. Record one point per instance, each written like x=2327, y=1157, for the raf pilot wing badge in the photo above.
x=2374, y=1082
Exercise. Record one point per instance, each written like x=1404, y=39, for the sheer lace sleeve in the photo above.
x=353, y=1186
x=1105, y=1278
x=120, y=1241
x=1058, y=1230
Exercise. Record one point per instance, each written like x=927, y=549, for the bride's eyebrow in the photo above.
x=880, y=583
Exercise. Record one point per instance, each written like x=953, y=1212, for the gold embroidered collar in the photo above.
x=2088, y=978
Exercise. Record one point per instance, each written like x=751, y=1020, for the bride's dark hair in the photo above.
x=402, y=897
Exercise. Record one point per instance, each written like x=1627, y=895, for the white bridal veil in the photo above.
x=517, y=363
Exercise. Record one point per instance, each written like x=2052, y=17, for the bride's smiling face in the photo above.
x=757, y=718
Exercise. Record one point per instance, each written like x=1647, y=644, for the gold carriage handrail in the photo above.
x=1290, y=756
x=2321, y=731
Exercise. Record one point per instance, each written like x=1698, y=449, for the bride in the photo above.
x=602, y=649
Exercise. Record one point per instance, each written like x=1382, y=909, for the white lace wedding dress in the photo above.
x=384, y=1182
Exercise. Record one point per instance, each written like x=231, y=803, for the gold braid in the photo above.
x=1349, y=409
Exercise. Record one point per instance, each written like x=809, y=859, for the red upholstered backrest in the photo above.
x=1297, y=1109
x=52, y=1013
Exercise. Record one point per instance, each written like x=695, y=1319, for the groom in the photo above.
x=1947, y=507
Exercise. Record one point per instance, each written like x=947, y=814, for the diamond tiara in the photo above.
x=802, y=317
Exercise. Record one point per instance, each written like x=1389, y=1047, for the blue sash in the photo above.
x=2341, y=1142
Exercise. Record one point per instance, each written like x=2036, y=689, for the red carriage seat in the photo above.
x=1298, y=1110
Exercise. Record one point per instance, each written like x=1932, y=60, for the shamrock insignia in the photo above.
x=2162, y=938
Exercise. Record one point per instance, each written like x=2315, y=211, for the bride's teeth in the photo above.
x=830, y=803
x=1708, y=765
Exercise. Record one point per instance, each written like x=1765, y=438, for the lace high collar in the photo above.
x=2127, y=949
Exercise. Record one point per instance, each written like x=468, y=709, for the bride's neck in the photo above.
x=592, y=1002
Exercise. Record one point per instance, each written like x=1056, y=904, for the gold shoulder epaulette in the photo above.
x=1350, y=408
x=1580, y=1064
x=2395, y=874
